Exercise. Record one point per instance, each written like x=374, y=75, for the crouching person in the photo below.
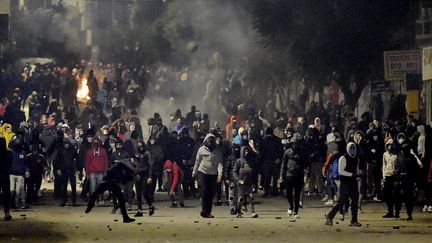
x=174, y=180
x=122, y=173
x=243, y=176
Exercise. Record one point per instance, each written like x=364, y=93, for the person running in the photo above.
x=121, y=172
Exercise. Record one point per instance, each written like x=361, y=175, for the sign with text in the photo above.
x=398, y=63
x=378, y=86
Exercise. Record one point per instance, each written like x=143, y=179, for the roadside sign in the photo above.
x=378, y=86
x=398, y=63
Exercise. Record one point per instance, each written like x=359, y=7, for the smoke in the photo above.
x=213, y=39
x=52, y=32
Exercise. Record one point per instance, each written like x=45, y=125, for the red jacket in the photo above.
x=327, y=163
x=174, y=172
x=96, y=161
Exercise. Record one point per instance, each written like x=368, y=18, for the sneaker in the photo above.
x=329, y=222
x=296, y=216
x=173, y=205
x=355, y=224
x=114, y=210
x=329, y=203
x=341, y=217
x=376, y=199
x=388, y=215
x=151, y=210
x=128, y=220
x=289, y=212
x=425, y=208
x=325, y=199
x=239, y=215
x=182, y=205
x=301, y=204
x=210, y=216
x=233, y=211
x=254, y=215
x=360, y=210
x=139, y=214
x=429, y=209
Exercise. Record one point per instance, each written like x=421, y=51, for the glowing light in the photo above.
x=83, y=91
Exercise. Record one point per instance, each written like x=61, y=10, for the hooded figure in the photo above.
x=347, y=167
x=292, y=173
x=208, y=166
x=243, y=176
x=6, y=131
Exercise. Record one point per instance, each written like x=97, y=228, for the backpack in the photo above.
x=335, y=169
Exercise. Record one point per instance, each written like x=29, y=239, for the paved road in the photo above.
x=51, y=223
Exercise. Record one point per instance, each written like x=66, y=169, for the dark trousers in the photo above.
x=57, y=186
x=389, y=193
x=220, y=186
x=85, y=188
x=5, y=188
x=68, y=177
x=115, y=190
x=270, y=178
x=144, y=189
x=404, y=193
x=208, y=188
x=294, y=186
x=348, y=190
x=33, y=186
x=188, y=182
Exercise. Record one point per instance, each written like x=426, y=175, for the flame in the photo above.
x=83, y=91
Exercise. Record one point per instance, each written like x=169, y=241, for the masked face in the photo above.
x=89, y=139
x=351, y=150
x=105, y=131
x=152, y=141
x=112, y=145
x=401, y=140
x=218, y=141
x=210, y=143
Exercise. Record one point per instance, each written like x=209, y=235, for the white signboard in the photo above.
x=399, y=63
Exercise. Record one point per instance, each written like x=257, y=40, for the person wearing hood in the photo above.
x=6, y=159
x=7, y=133
x=122, y=156
x=121, y=173
x=185, y=150
x=65, y=167
x=208, y=166
x=292, y=173
x=271, y=153
x=18, y=172
x=389, y=160
x=144, y=178
x=375, y=150
x=402, y=141
x=37, y=164
x=347, y=168
x=174, y=177
x=405, y=171
x=228, y=169
x=96, y=163
x=243, y=177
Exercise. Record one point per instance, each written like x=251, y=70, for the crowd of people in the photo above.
x=99, y=145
